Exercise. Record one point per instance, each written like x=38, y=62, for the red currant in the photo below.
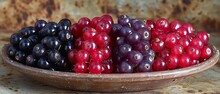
x=156, y=33
x=164, y=53
x=197, y=42
x=82, y=56
x=204, y=36
x=172, y=61
x=94, y=21
x=157, y=44
x=78, y=43
x=80, y=68
x=75, y=30
x=101, y=39
x=97, y=56
x=150, y=24
x=206, y=52
x=107, y=66
x=184, y=61
x=171, y=40
x=182, y=31
x=103, y=26
x=189, y=28
x=83, y=22
x=174, y=25
x=177, y=49
x=106, y=52
x=95, y=68
x=107, y=18
x=88, y=34
x=184, y=42
x=89, y=45
x=194, y=62
x=159, y=64
x=162, y=24
x=193, y=52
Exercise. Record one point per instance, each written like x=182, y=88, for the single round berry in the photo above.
x=40, y=24
x=84, y=21
x=125, y=31
x=174, y=25
x=182, y=31
x=204, y=36
x=101, y=39
x=53, y=43
x=78, y=42
x=95, y=68
x=62, y=25
x=105, y=52
x=107, y=18
x=28, y=31
x=184, y=42
x=119, y=41
x=89, y=45
x=25, y=45
x=103, y=26
x=107, y=66
x=124, y=49
x=12, y=51
x=145, y=34
x=184, y=61
x=197, y=42
x=43, y=63
x=162, y=24
x=125, y=67
x=159, y=64
x=34, y=39
x=157, y=44
x=139, y=25
x=144, y=67
x=75, y=31
x=171, y=40
x=51, y=25
x=20, y=56
x=123, y=20
x=96, y=56
x=65, y=35
x=71, y=55
x=193, y=52
x=194, y=62
x=133, y=38
x=80, y=67
x=143, y=47
x=66, y=21
x=156, y=32
x=115, y=30
x=60, y=65
x=66, y=47
x=54, y=56
x=31, y=61
x=172, y=61
x=206, y=52
x=44, y=41
x=189, y=28
x=47, y=31
x=135, y=57
x=88, y=34
x=177, y=49
x=39, y=51
x=82, y=56
x=15, y=39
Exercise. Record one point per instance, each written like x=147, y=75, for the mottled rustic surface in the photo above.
x=203, y=14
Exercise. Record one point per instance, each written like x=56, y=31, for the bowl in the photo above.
x=109, y=82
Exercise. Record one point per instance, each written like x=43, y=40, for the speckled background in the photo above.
x=203, y=14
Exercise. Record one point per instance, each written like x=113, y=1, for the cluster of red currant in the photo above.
x=92, y=50
x=176, y=45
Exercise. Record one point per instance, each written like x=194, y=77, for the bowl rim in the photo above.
x=168, y=74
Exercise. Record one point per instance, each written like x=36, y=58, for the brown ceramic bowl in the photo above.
x=110, y=82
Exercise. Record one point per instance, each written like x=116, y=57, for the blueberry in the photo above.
x=138, y=25
x=20, y=56
x=135, y=57
x=133, y=38
x=64, y=24
x=44, y=41
x=52, y=24
x=15, y=39
x=25, y=45
x=39, y=51
x=65, y=35
x=124, y=49
x=28, y=31
x=60, y=65
x=66, y=47
x=54, y=56
x=144, y=67
x=47, y=31
x=31, y=61
x=66, y=21
x=125, y=67
x=123, y=20
x=125, y=31
x=34, y=39
x=40, y=24
x=53, y=43
x=148, y=58
x=11, y=51
x=43, y=63
x=145, y=34
x=143, y=47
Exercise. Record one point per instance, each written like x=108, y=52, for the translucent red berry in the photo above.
x=162, y=24
x=103, y=26
x=95, y=68
x=88, y=34
x=97, y=56
x=174, y=25
x=171, y=40
x=78, y=43
x=164, y=53
x=71, y=56
x=101, y=39
x=105, y=52
x=89, y=45
x=197, y=42
x=193, y=52
x=182, y=31
x=189, y=28
x=82, y=56
x=184, y=42
x=107, y=18
x=107, y=66
x=157, y=44
x=83, y=22
x=94, y=21
x=177, y=49
x=204, y=36
x=206, y=52
x=80, y=68
x=184, y=61
x=75, y=31
x=159, y=64
x=150, y=24
x=172, y=61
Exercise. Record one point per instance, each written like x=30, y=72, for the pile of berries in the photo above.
x=101, y=46
x=176, y=45
x=44, y=46
x=132, y=51
x=92, y=46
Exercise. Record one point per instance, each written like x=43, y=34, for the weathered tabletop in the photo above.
x=12, y=82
